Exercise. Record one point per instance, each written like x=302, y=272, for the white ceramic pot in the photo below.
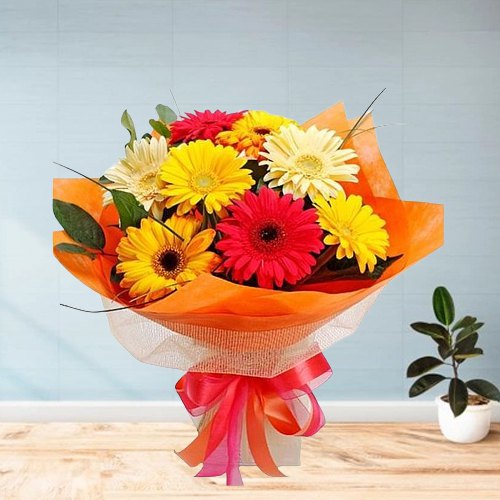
x=469, y=427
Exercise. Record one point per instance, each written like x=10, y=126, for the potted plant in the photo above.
x=465, y=411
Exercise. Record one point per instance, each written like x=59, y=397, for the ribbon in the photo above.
x=227, y=401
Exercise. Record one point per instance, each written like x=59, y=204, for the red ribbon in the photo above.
x=225, y=401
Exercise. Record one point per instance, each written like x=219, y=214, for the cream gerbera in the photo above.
x=354, y=228
x=247, y=135
x=155, y=262
x=203, y=172
x=308, y=162
x=137, y=173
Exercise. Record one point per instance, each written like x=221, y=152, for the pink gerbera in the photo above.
x=202, y=125
x=271, y=237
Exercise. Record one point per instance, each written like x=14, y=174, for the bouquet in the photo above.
x=238, y=247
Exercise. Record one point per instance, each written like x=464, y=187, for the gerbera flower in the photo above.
x=354, y=228
x=249, y=133
x=271, y=237
x=202, y=125
x=155, y=262
x=138, y=172
x=308, y=162
x=201, y=171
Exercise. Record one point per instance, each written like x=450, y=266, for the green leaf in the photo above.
x=348, y=269
x=466, y=345
x=160, y=127
x=442, y=302
x=422, y=365
x=433, y=329
x=115, y=277
x=471, y=354
x=130, y=210
x=79, y=224
x=444, y=349
x=166, y=114
x=70, y=248
x=484, y=388
x=465, y=321
x=425, y=383
x=457, y=395
x=466, y=332
x=128, y=123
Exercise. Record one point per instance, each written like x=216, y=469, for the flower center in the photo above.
x=309, y=164
x=268, y=236
x=169, y=262
x=262, y=130
x=204, y=183
x=147, y=185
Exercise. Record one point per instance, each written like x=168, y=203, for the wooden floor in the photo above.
x=344, y=461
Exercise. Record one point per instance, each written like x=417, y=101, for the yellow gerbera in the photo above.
x=200, y=171
x=249, y=133
x=354, y=228
x=155, y=262
x=308, y=162
x=138, y=172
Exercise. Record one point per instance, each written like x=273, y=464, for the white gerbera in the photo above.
x=138, y=172
x=308, y=162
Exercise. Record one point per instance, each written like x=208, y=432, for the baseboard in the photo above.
x=173, y=411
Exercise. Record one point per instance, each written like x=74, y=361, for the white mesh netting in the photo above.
x=173, y=345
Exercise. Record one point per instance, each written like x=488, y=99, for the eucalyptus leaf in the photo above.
x=79, y=224
x=130, y=210
x=443, y=305
x=166, y=114
x=128, y=123
x=484, y=388
x=76, y=249
x=422, y=365
x=457, y=395
x=425, y=383
x=160, y=127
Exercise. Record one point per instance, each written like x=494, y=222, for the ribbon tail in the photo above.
x=257, y=440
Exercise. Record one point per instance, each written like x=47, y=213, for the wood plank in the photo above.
x=347, y=461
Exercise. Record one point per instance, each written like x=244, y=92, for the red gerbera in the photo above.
x=202, y=125
x=269, y=236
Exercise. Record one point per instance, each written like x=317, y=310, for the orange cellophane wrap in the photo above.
x=213, y=325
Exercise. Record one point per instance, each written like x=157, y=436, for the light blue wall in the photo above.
x=68, y=68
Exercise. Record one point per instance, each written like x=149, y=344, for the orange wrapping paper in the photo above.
x=204, y=308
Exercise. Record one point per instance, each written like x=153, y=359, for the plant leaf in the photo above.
x=422, y=365
x=166, y=114
x=465, y=321
x=79, y=224
x=433, y=329
x=425, y=383
x=444, y=349
x=348, y=269
x=70, y=248
x=160, y=127
x=467, y=331
x=443, y=305
x=484, y=388
x=130, y=210
x=477, y=351
x=466, y=345
x=128, y=123
x=457, y=395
